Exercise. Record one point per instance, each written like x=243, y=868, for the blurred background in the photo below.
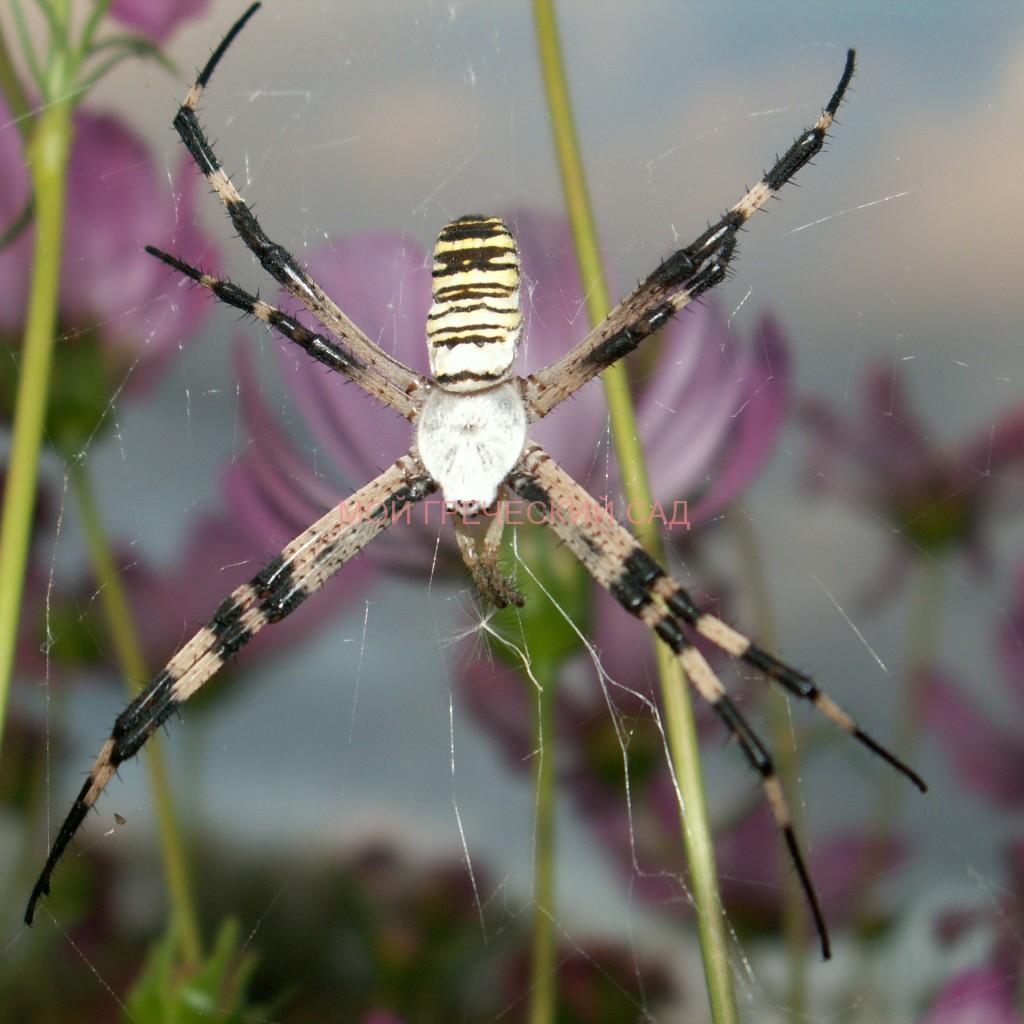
x=863, y=366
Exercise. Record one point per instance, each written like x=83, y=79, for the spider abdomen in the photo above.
x=475, y=321
x=469, y=442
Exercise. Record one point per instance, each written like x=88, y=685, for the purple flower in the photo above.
x=117, y=201
x=884, y=459
x=156, y=19
x=981, y=995
x=988, y=757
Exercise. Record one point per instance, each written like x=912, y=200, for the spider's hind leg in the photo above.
x=480, y=550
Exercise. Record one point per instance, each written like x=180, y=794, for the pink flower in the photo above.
x=117, y=201
x=156, y=19
x=884, y=459
x=981, y=995
x=988, y=757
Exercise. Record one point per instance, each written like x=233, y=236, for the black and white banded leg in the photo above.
x=617, y=562
x=683, y=277
x=406, y=387
x=332, y=354
x=273, y=593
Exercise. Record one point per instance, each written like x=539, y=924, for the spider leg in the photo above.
x=680, y=279
x=275, y=592
x=481, y=558
x=618, y=563
x=275, y=259
x=722, y=635
x=331, y=354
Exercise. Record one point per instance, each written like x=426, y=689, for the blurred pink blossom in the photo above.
x=885, y=460
x=981, y=995
x=987, y=755
x=156, y=19
x=118, y=200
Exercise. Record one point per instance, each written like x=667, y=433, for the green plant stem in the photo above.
x=682, y=733
x=922, y=640
x=922, y=637
x=787, y=759
x=131, y=662
x=47, y=157
x=542, y=949
x=14, y=95
x=923, y=629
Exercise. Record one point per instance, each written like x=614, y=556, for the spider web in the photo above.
x=399, y=119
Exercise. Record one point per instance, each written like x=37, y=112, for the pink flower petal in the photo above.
x=988, y=760
x=753, y=866
x=756, y=425
x=15, y=260
x=978, y=996
x=686, y=413
x=156, y=19
x=382, y=282
x=271, y=488
x=894, y=441
x=555, y=320
x=1010, y=639
x=116, y=204
x=996, y=451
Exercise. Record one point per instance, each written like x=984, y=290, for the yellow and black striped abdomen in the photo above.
x=475, y=322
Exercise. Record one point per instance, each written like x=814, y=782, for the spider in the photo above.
x=471, y=420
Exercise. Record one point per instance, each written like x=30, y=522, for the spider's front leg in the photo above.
x=389, y=380
x=300, y=569
x=683, y=277
x=617, y=562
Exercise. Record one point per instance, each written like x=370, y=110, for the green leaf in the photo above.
x=557, y=593
x=167, y=993
x=25, y=39
x=17, y=227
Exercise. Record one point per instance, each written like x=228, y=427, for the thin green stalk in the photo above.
x=922, y=637
x=923, y=631
x=14, y=95
x=47, y=157
x=922, y=640
x=787, y=760
x=128, y=651
x=682, y=734
x=542, y=949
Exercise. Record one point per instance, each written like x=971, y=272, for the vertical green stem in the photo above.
x=130, y=659
x=542, y=953
x=47, y=157
x=12, y=91
x=787, y=759
x=922, y=637
x=675, y=694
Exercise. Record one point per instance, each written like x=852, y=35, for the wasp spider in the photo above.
x=471, y=442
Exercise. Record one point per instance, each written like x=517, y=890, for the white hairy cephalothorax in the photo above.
x=470, y=441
